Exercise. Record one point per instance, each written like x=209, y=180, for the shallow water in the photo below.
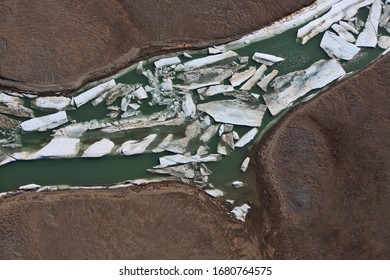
x=114, y=169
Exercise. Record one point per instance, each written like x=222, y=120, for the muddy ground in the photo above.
x=165, y=221
x=325, y=171
x=60, y=45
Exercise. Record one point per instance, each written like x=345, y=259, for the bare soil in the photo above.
x=50, y=46
x=164, y=221
x=324, y=173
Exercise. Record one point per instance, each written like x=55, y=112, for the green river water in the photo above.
x=114, y=169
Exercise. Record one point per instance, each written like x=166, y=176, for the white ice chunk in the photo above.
x=188, y=105
x=29, y=187
x=338, y=48
x=342, y=10
x=246, y=138
x=214, y=90
x=385, y=16
x=51, y=102
x=349, y=27
x=214, y=192
x=244, y=165
x=181, y=159
x=180, y=171
x=290, y=87
x=92, y=93
x=61, y=147
x=164, y=143
x=140, y=93
x=99, y=149
x=368, y=37
x=384, y=42
x=267, y=59
x=164, y=62
x=211, y=59
x=241, y=211
x=263, y=84
x=255, y=78
x=343, y=33
x=44, y=123
x=134, y=147
x=209, y=133
x=238, y=78
x=234, y=112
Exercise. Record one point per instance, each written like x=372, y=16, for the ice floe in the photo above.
x=263, y=84
x=51, y=102
x=44, y=123
x=92, y=93
x=214, y=192
x=211, y=59
x=99, y=149
x=164, y=62
x=180, y=171
x=234, y=112
x=238, y=78
x=344, y=9
x=255, y=78
x=245, y=164
x=290, y=87
x=61, y=147
x=246, y=138
x=338, y=48
x=135, y=147
x=182, y=159
x=384, y=42
x=369, y=36
x=267, y=59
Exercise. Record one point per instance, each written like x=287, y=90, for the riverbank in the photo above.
x=324, y=173
x=61, y=46
x=140, y=222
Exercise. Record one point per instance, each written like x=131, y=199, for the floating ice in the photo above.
x=61, y=147
x=338, y=48
x=135, y=147
x=368, y=37
x=92, y=93
x=267, y=59
x=342, y=10
x=99, y=149
x=211, y=59
x=214, y=192
x=263, y=84
x=255, y=78
x=44, y=123
x=290, y=87
x=234, y=112
x=238, y=78
x=51, y=102
x=244, y=165
x=164, y=62
x=246, y=138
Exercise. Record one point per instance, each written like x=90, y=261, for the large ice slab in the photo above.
x=263, y=84
x=238, y=78
x=246, y=138
x=241, y=211
x=342, y=10
x=369, y=36
x=164, y=62
x=44, y=123
x=344, y=33
x=211, y=59
x=182, y=159
x=290, y=87
x=180, y=171
x=267, y=59
x=255, y=78
x=338, y=48
x=214, y=90
x=135, y=147
x=12, y=105
x=92, y=93
x=51, y=102
x=99, y=149
x=62, y=147
x=234, y=112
